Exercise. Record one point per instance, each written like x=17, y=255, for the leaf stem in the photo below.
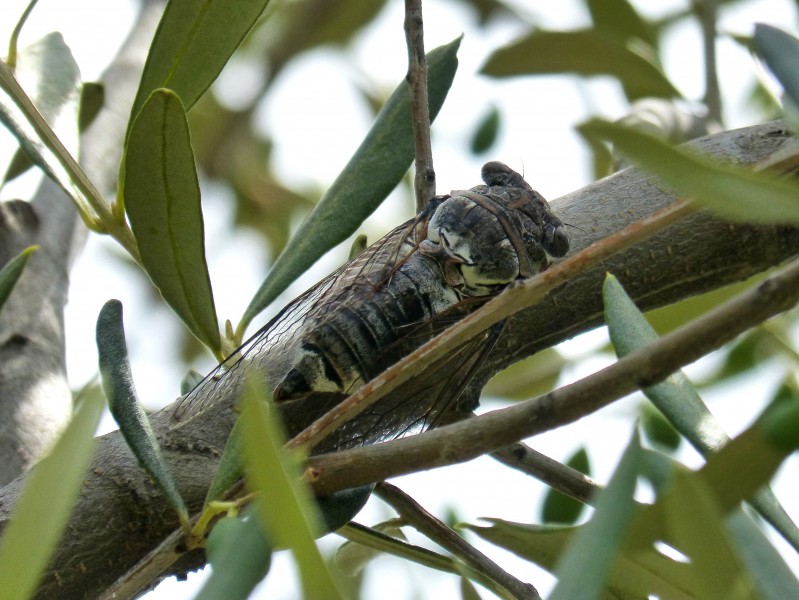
x=86, y=197
x=14, y=39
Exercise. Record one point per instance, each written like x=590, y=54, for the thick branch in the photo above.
x=120, y=517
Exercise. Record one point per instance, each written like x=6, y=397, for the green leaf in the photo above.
x=285, y=506
x=730, y=191
x=620, y=19
x=633, y=576
x=231, y=466
x=694, y=524
x=352, y=557
x=486, y=133
x=560, y=508
x=527, y=378
x=125, y=406
x=374, y=170
x=772, y=578
x=585, y=565
x=41, y=513
x=11, y=271
x=190, y=381
x=239, y=555
x=677, y=399
x=162, y=199
x=92, y=99
x=657, y=429
x=781, y=53
x=194, y=41
x=586, y=53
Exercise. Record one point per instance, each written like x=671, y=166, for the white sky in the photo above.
x=317, y=134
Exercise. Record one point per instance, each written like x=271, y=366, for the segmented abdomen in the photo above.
x=368, y=328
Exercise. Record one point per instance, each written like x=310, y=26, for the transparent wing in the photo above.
x=374, y=264
x=423, y=402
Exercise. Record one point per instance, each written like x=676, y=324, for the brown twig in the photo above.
x=416, y=516
x=425, y=179
x=510, y=301
x=646, y=366
x=556, y=475
x=706, y=11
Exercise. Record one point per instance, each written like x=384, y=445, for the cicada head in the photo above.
x=493, y=234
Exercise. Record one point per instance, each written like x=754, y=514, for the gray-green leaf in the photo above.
x=125, y=406
x=585, y=52
x=162, y=200
x=373, y=171
x=194, y=41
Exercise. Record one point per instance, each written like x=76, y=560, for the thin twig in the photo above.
x=646, y=366
x=425, y=178
x=556, y=475
x=706, y=9
x=510, y=301
x=416, y=516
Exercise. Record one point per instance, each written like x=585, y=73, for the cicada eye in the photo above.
x=556, y=242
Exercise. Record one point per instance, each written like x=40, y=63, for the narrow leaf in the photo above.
x=695, y=526
x=633, y=576
x=485, y=135
x=373, y=171
x=620, y=19
x=677, y=399
x=781, y=53
x=162, y=199
x=584, y=568
x=231, y=466
x=41, y=513
x=10, y=273
x=585, y=52
x=772, y=578
x=194, y=41
x=733, y=473
x=125, y=406
x=284, y=505
x=239, y=555
x=730, y=191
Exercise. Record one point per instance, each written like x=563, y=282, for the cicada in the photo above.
x=462, y=249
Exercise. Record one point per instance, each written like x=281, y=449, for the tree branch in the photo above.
x=417, y=517
x=425, y=178
x=119, y=516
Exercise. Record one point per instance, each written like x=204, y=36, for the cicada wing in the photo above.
x=420, y=404
x=374, y=264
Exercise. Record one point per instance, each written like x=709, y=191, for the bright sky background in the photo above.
x=317, y=133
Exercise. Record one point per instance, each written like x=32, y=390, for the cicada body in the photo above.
x=461, y=250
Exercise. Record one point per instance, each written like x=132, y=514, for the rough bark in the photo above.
x=35, y=397
x=119, y=516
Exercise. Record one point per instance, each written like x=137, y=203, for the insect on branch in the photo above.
x=425, y=178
